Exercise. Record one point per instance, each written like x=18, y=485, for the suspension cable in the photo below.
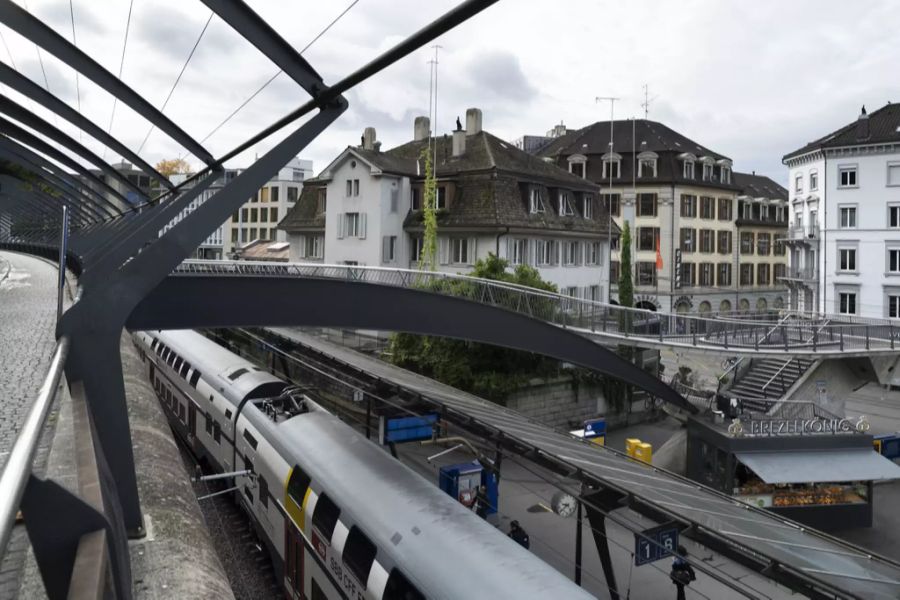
x=112, y=114
x=77, y=84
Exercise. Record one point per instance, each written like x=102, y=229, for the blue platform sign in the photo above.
x=594, y=428
x=408, y=429
x=655, y=543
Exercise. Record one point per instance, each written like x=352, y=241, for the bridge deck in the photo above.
x=816, y=555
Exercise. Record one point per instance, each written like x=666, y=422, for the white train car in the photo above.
x=341, y=518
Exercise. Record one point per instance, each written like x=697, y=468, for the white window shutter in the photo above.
x=340, y=226
x=443, y=251
x=302, y=252
x=362, y=226
x=509, y=250
x=473, y=247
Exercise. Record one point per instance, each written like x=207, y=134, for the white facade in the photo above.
x=845, y=248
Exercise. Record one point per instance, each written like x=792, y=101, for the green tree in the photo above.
x=618, y=392
x=429, y=215
x=488, y=371
x=626, y=284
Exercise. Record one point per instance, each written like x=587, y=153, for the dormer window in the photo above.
x=588, y=206
x=687, y=161
x=724, y=170
x=647, y=164
x=612, y=165
x=708, y=168
x=565, y=205
x=535, y=201
x=578, y=165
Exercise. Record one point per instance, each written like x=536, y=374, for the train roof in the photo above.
x=233, y=376
x=415, y=522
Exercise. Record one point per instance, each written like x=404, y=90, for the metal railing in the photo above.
x=779, y=375
x=794, y=334
x=803, y=232
x=801, y=273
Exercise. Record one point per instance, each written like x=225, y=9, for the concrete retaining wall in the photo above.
x=558, y=403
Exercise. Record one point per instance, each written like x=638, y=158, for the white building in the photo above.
x=365, y=208
x=844, y=238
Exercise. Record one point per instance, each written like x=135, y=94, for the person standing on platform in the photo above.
x=682, y=572
x=519, y=535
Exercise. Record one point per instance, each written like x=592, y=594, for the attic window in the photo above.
x=441, y=202
x=612, y=165
x=688, y=169
x=536, y=201
x=588, y=206
x=565, y=205
x=647, y=164
x=577, y=165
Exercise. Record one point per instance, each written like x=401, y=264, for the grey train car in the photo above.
x=341, y=518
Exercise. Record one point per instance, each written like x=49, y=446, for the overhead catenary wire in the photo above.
x=178, y=79
x=112, y=114
x=77, y=84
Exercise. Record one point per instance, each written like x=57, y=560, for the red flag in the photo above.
x=659, y=262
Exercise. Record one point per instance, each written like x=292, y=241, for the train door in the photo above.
x=152, y=373
x=293, y=560
x=192, y=418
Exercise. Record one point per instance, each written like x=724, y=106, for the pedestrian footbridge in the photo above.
x=782, y=333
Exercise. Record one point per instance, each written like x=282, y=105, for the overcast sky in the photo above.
x=750, y=80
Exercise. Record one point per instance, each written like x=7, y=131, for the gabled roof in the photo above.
x=628, y=136
x=883, y=127
x=759, y=186
x=379, y=162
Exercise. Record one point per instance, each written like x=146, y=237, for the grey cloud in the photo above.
x=57, y=14
x=499, y=74
x=173, y=34
x=61, y=83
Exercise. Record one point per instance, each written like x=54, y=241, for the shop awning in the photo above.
x=820, y=466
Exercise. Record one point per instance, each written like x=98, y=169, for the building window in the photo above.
x=234, y=236
x=706, y=275
x=518, y=251
x=313, y=246
x=706, y=240
x=389, y=248
x=894, y=307
x=462, y=251
x=893, y=173
x=536, y=201
x=724, y=242
x=762, y=274
x=612, y=203
x=847, y=303
x=798, y=183
x=894, y=216
x=614, y=244
x=275, y=192
x=546, y=252
x=778, y=248
x=894, y=260
x=813, y=181
x=723, y=275
x=847, y=177
x=646, y=205
x=688, y=169
x=707, y=207
x=415, y=251
x=688, y=274
x=415, y=199
x=576, y=168
x=848, y=217
x=763, y=244
x=780, y=271
x=354, y=225
x=746, y=242
x=688, y=206
x=253, y=234
x=847, y=259
x=571, y=253
x=725, y=174
x=746, y=275
x=593, y=254
x=587, y=206
x=646, y=273
x=264, y=194
x=707, y=172
x=688, y=239
x=611, y=168
x=724, y=209
x=647, y=238
x=321, y=201
x=613, y=271
x=441, y=199
x=292, y=194
x=646, y=167
x=565, y=205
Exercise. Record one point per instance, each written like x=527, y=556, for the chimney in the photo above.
x=422, y=129
x=368, y=138
x=862, y=125
x=377, y=146
x=473, y=121
x=459, y=142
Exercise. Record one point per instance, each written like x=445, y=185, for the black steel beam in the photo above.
x=189, y=302
x=33, y=29
x=29, y=119
x=33, y=91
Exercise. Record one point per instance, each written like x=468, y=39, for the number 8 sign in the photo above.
x=655, y=543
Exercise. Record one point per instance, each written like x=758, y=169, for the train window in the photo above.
x=181, y=411
x=237, y=374
x=209, y=424
x=217, y=432
x=185, y=367
x=168, y=395
x=227, y=414
x=297, y=485
x=359, y=554
x=263, y=491
x=153, y=345
x=178, y=363
x=250, y=439
x=164, y=354
x=195, y=377
x=317, y=593
x=325, y=515
x=399, y=588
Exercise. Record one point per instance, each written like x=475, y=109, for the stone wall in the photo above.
x=558, y=403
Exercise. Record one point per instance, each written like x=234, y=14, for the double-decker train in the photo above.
x=341, y=517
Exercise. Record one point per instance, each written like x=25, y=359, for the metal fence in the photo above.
x=793, y=333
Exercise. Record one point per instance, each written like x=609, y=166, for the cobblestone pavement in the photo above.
x=27, y=321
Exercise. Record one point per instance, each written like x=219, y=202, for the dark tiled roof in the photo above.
x=883, y=127
x=305, y=214
x=759, y=186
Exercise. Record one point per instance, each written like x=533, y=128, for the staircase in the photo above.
x=767, y=380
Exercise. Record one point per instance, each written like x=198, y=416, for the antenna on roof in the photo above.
x=647, y=100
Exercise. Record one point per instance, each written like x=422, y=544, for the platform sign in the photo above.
x=655, y=543
x=407, y=429
x=595, y=428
